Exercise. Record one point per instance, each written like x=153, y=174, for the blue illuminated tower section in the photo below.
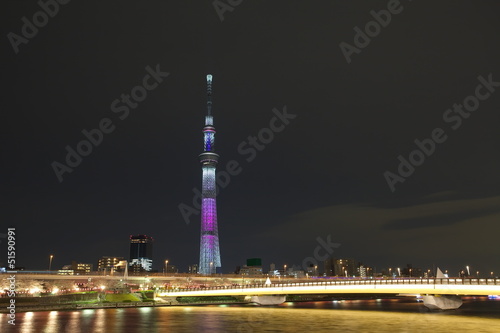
x=209, y=244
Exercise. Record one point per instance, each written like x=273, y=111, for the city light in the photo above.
x=50, y=262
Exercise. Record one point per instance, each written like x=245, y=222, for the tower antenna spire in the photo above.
x=209, y=118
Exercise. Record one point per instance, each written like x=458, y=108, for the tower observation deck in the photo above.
x=209, y=245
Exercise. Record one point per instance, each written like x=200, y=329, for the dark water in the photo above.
x=476, y=315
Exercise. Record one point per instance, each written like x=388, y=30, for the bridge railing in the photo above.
x=402, y=281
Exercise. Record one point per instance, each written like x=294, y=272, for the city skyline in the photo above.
x=141, y=261
x=333, y=131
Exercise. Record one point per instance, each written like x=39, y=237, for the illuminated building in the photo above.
x=66, y=270
x=141, y=253
x=362, y=271
x=341, y=267
x=193, y=269
x=108, y=263
x=76, y=268
x=209, y=243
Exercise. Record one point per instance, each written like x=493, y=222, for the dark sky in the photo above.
x=322, y=175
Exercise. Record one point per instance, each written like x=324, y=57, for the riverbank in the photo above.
x=70, y=307
x=94, y=301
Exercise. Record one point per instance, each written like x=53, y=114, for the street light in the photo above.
x=211, y=263
x=410, y=272
x=166, y=267
x=390, y=269
x=468, y=271
x=284, y=270
x=399, y=271
x=316, y=270
x=50, y=261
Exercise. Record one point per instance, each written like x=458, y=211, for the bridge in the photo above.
x=437, y=293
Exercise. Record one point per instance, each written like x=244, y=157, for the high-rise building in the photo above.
x=141, y=253
x=108, y=263
x=340, y=267
x=362, y=271
x=209, y=244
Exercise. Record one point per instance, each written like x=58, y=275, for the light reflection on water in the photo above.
x=345, y=316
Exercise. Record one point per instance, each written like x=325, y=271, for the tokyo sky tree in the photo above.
x=209, y=244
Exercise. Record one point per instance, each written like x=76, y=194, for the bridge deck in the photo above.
x=361, y=286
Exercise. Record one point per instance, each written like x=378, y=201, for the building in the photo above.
x=193, y=269
x=329, y=267
x=141, y=253
x=312, y=270
x=209, y=244
x=410, y=271
x=75, y=268
x=346, y=267
x=362, y=271
x=109, y=263
x=66, y=270
x=341, y=267
x=252, y=268
x=296, y=271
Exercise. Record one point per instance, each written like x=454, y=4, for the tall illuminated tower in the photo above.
x=209, y=244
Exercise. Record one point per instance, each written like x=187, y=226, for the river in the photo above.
x=402, y=315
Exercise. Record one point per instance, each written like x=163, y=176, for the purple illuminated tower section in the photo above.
x=209, y=244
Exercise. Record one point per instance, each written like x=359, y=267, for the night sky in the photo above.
x=323, y=174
